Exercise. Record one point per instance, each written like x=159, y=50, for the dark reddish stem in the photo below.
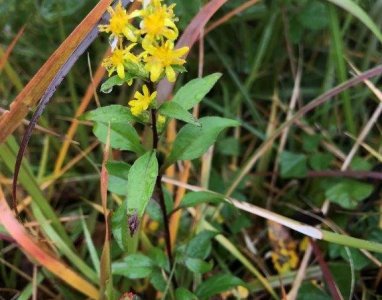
x=158, y=186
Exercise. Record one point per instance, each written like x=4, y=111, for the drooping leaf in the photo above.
x=118, y=173
x=198, y=265
x=194, y=91
x=123, y=136
x=111, y=82
x=196, y=198
x=216, y=285
x=192, y=141
x=173, y=110
x=293, y=165
x=111, y=113
x=134, y=266
x=348, y=193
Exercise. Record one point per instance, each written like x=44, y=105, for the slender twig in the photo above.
x=158, y=186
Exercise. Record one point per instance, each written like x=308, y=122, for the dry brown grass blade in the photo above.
x=105, y=272
x=38, y=85
x=7, y=53
x=80, y=110
x=231, y=14
x=299, y=114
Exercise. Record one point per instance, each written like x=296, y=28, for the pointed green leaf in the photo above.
x=174, y=110
x=140, y=186
x=112, y=113
x=123, y=136
x=192, y=141
x=194, y=91
x=141, y=182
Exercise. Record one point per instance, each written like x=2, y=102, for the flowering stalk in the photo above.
x=146, y=53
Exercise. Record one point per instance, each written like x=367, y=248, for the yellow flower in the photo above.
x=141, y=102
x=157, y=22
x=116, y=61
x=119, y=24
x=162, y=58
x=284, y=260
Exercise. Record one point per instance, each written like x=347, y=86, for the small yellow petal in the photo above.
x=170, y=74
x=121, y=71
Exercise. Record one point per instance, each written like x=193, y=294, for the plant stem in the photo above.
x=158, y=186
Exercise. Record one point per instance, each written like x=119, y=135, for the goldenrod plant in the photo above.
x=143, y=52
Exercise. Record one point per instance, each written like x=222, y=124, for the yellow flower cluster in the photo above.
x=155, y=55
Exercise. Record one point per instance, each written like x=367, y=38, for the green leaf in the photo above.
x=192, y=141
x=123, y=136
x=184, y=294
x=141, y=182
x=314, y=16
x=111, y=113
x=140, y=186
x=118, y=173
x=194, y=91
x=310, y=143
x=119, y=227
x=157, y=280
x=159, y=258
x=111, y=82
x=174, y=110
x=134, y=266
x=216, y=285
x=320, y=161
x=200, y=245
x=358, y=259
x=293, y=165
x=342, y=275
x=348, y=193
x=198, y=265
x=196, y=198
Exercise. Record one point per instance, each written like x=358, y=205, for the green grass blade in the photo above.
x=338, y=49
x=360, y=14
